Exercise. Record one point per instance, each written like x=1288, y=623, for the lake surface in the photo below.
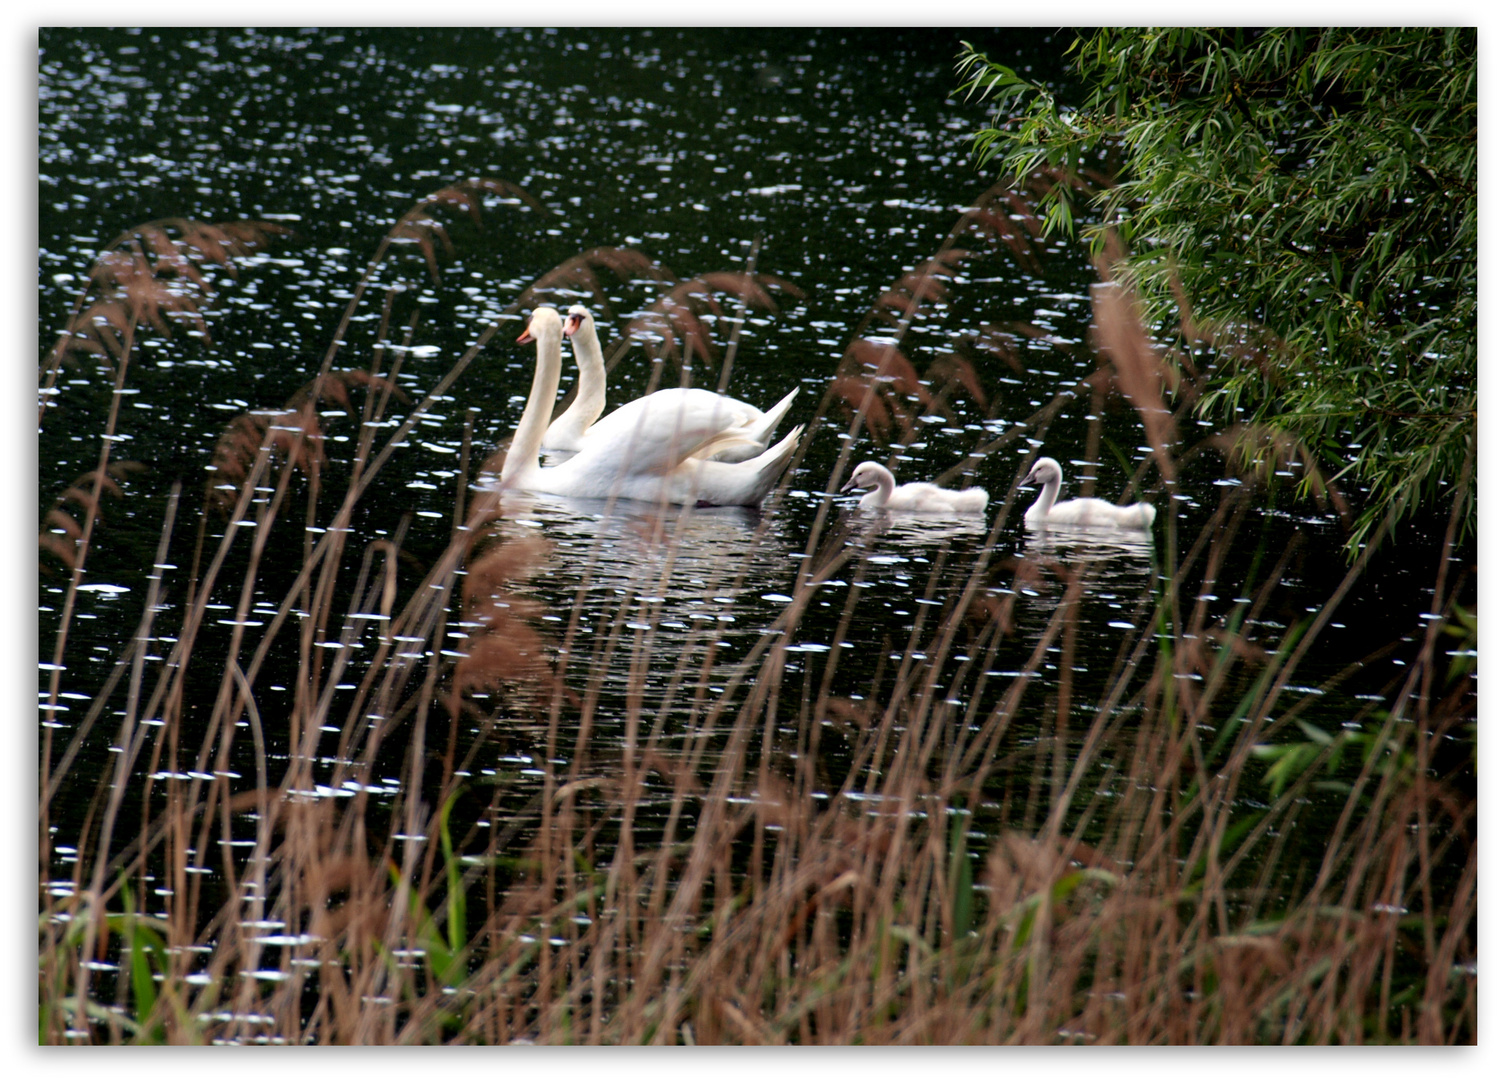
x=836, y=161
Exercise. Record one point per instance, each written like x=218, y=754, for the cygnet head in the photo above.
x=577, y=315
x=865, y=475
x=1045, y=471
x=543, y=321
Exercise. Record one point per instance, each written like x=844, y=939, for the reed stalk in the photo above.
x=967, y=839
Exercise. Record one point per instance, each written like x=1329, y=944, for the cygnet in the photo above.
x=1048, y=511
x=920, y=496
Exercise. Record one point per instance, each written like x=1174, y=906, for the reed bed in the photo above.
x=951, y=854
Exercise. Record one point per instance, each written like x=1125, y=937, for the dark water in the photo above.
x=838, y=159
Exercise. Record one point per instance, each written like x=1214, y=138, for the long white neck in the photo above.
x=1043, y=505
x=527, y=441
x=885, y=483
x=588, y=404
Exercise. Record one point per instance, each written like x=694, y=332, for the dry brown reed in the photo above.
x=579, y=275
x=154, y=274
x=959, y=854
x=64, y=538
x=1140, y=372
x=672, y=328
x=293, y=434
x=423, y=229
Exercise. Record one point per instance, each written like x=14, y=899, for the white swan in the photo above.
x=663, y=458
x=580, y=421
x=1048, y=511
x=928, y=497
x=567, y=431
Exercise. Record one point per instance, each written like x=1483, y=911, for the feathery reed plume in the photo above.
x=1000, y=218
x=152, y=273
x=294, y=433
x=63, y=538
x=915, y=292
x=879, y=382
x=420, y=228
x=579, y=276
x=952, y=372
x=1139, y=370
x=672, y=328
x=1007, y=217
x=986, y=220
x=502, y=646
x=996, y=341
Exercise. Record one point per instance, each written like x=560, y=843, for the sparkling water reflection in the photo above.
x=836, y=162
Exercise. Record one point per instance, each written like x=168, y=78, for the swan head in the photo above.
x=865, y=475
x=544, y=320
x=1045, y=471
x=577, y=316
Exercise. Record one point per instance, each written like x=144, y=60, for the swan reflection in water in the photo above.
x=1087, y=543
x=1105, y=578
x=912, y=528
x=727, y=550
x=657, y=591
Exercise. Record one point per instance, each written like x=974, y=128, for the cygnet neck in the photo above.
x=885, y=485
x=1050, y=489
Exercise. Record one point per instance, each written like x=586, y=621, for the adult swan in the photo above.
x=580, y=422
x=663, y=457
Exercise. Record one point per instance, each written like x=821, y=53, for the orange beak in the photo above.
x=525, y=338
x=571, y=326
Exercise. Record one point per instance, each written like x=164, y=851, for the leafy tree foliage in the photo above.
x=1311, y=195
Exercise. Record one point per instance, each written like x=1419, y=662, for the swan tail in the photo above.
x=762, y=430
x=781, y=453
x=770, y=465
x=972, y=499
x=1146, y=513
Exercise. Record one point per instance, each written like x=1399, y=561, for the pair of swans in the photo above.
x=580, y=421
x=886, y=495
x=659, y=448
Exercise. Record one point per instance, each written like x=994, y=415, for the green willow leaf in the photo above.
x=1320, y=183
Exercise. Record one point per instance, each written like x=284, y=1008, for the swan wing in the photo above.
x=693, y=408
x=684, y=407
x=933, y=499
x=724, y=443
x=1096, y=513
x=971, y=500
x=656, y=433
x=736, y=483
